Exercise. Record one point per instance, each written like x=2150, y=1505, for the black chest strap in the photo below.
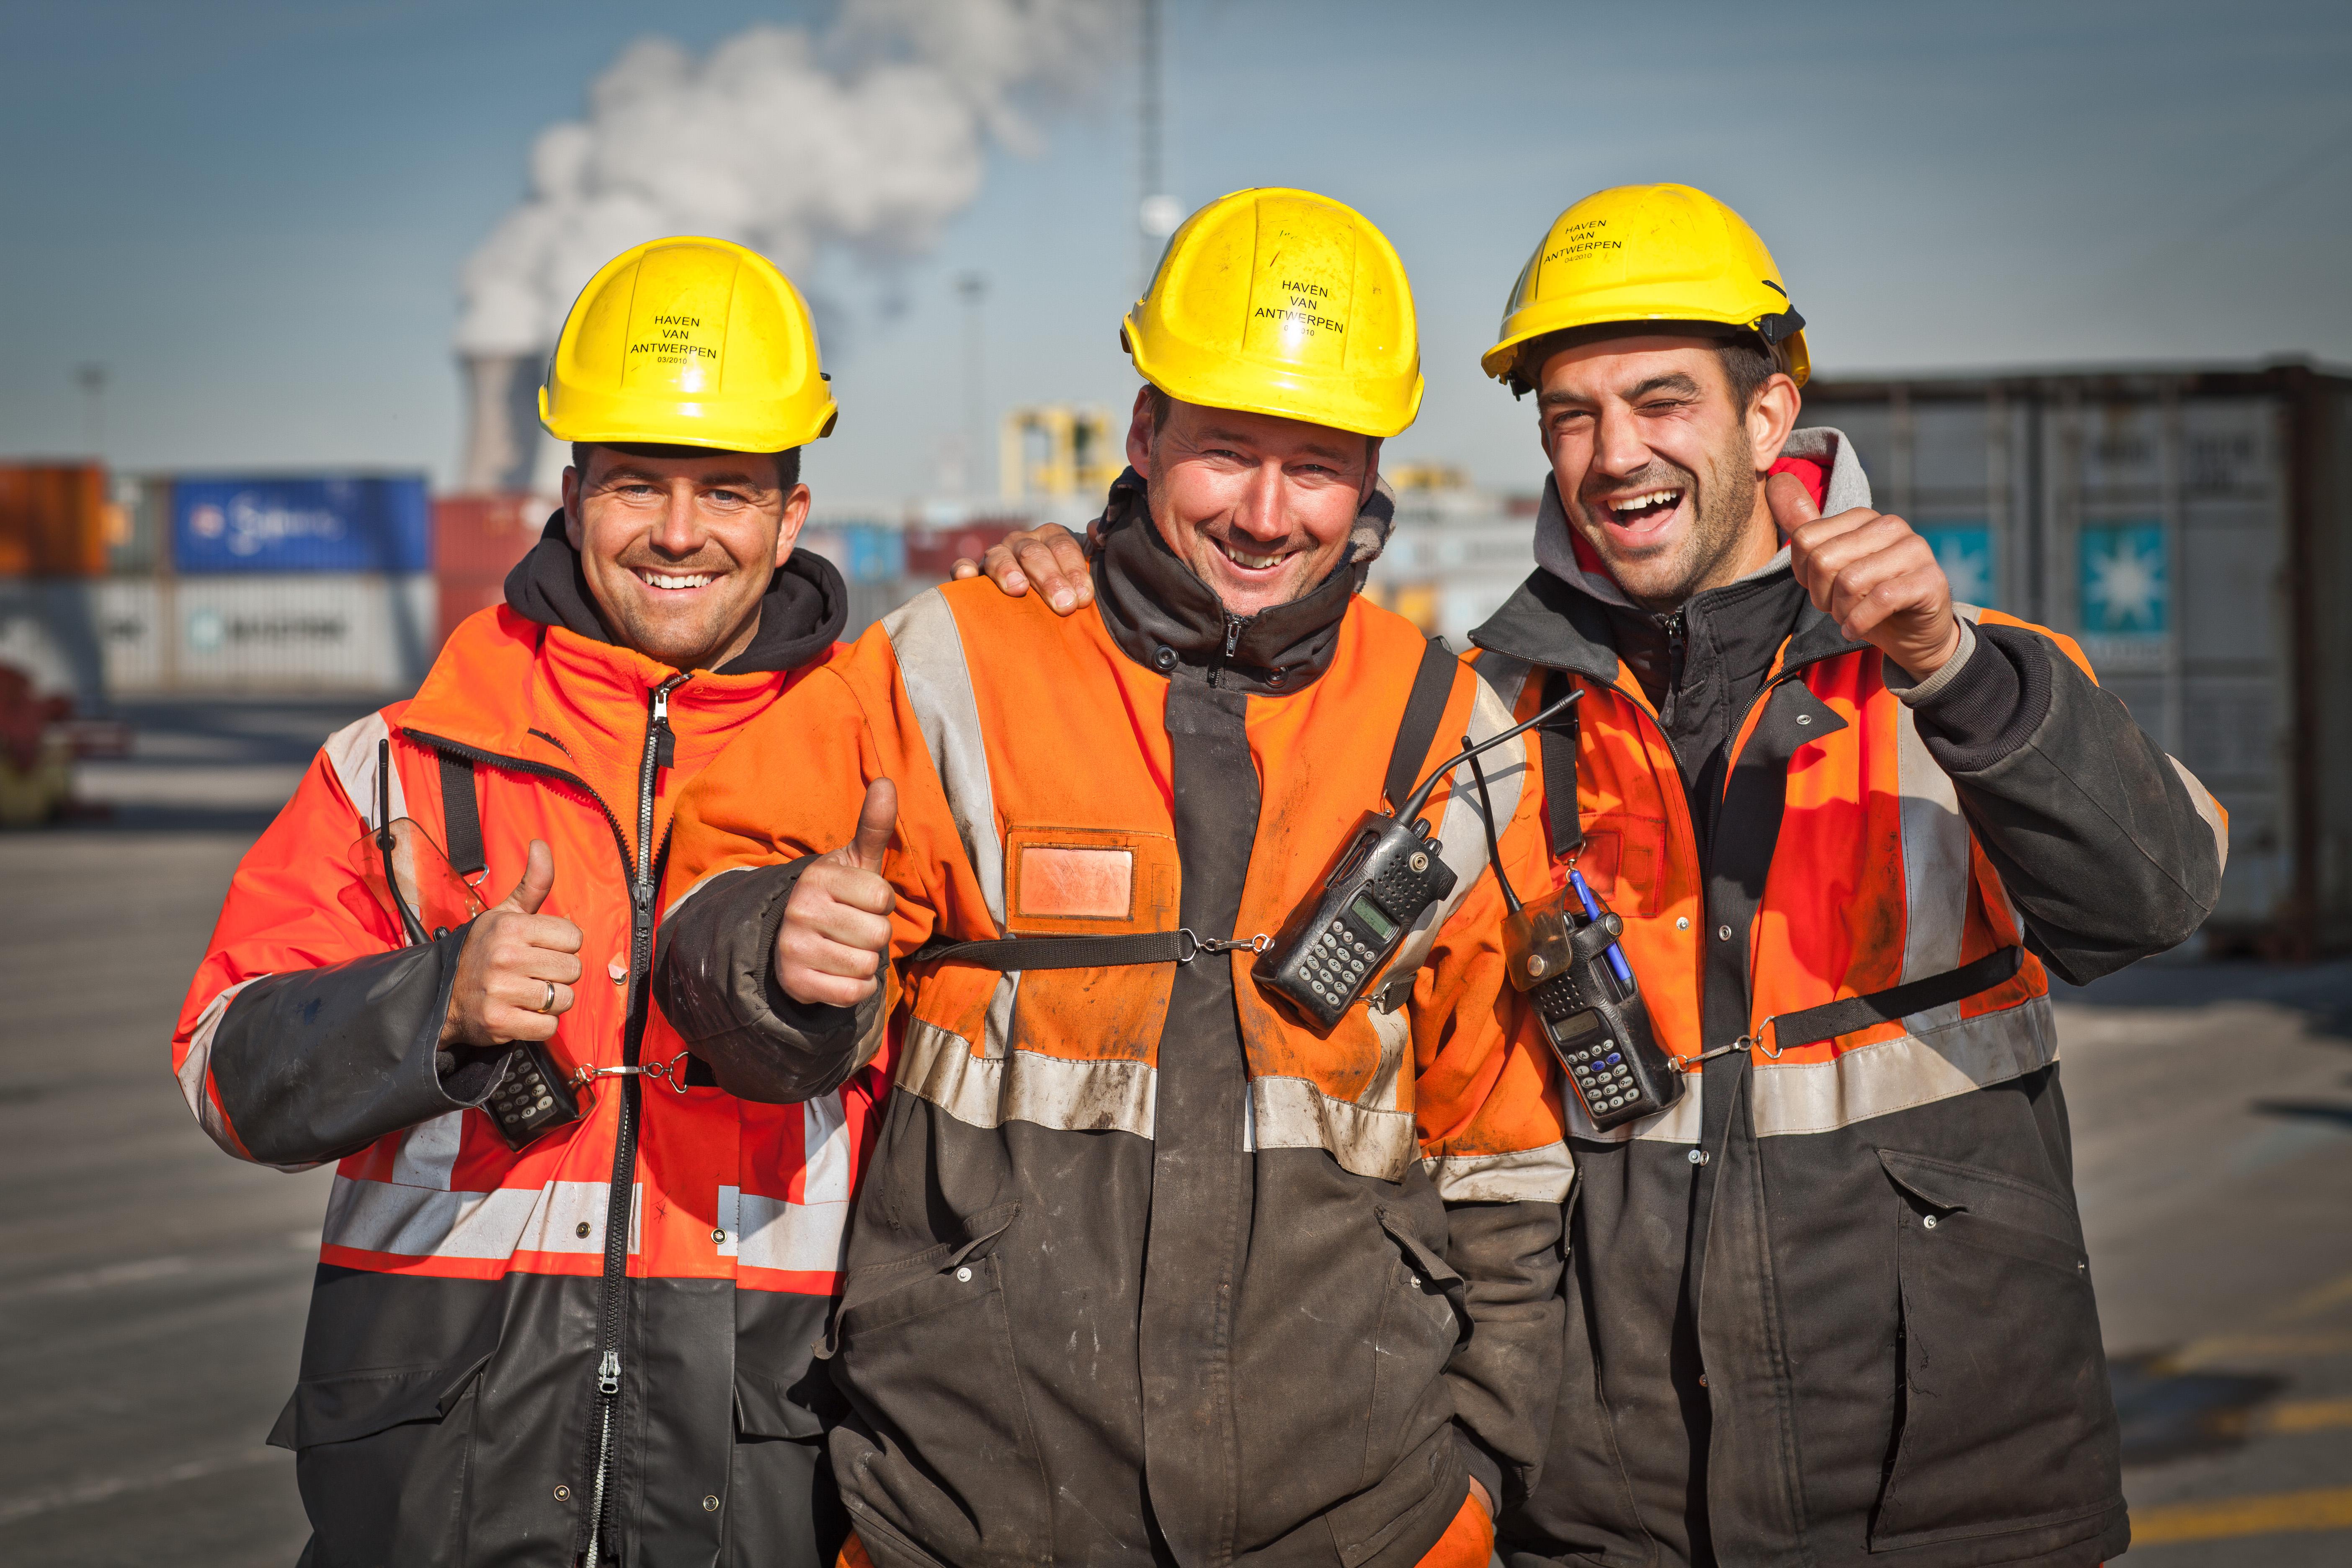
x=1424, y=710
x=461, y=815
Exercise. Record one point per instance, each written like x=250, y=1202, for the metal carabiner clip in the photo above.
x=1202, y=944
x=670, y=1069
x=1754, y=1042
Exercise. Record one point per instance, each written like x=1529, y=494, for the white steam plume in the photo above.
x=870, y=137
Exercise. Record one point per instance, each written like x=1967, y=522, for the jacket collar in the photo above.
x=801, y=615
x=524, y=683
x=1164, y=618
x=1555, y=618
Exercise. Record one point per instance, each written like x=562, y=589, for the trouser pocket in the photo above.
x=939, y=1450
x=2005, y=1418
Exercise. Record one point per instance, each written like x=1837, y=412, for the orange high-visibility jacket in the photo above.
x=1834, y=1302
x=448, y=1404
x=1139, y=1250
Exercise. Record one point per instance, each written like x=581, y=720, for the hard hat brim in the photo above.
x=1502, y=361
x=722, y=425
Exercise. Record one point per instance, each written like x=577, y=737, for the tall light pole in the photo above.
x=974, y=289
x=1157, y=211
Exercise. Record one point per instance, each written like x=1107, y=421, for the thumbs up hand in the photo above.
x=1869, y=571
x=836, y=928
x=516, y=974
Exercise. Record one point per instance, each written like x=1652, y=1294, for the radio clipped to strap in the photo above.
x=1848, y=1013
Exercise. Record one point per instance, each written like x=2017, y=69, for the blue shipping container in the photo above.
x=877, y=553
x=378, y=523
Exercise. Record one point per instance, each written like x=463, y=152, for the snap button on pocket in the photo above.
x=1928, y=1223
x=964, y=1275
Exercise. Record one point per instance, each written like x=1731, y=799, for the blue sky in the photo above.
x=253, y=213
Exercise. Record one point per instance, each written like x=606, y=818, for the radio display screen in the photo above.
x=1379, y=925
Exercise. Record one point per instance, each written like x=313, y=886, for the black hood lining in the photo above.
x=1163, y=616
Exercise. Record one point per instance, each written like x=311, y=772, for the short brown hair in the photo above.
x=788, y=461
x=1748, y=360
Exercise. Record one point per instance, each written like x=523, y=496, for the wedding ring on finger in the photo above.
x=547, y=1003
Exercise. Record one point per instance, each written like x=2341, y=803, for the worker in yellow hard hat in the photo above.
x=571, y=1269
x=1830, y=1306
x=1216, y=1217
x=1831, y=1301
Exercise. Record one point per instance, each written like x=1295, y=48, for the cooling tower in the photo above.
x=502, y=432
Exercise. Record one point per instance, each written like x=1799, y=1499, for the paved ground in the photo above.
x=151, y=1301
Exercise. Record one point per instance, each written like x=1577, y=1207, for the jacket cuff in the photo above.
x=1912, y=690
x=1483, y=1467
x=1990, y=706
x=317, y=1063
x=714, y=973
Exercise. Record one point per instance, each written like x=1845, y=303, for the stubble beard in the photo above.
x=1709, y=551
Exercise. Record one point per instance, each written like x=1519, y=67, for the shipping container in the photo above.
x=477, y=541
x=872, y=551
x=345, y=523
x=934, y=552
x=57, y=520
x=2193, y=530
x=305, y=632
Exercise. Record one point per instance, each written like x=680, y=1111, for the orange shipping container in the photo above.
x=54, y=519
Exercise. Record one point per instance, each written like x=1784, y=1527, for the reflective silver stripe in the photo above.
x=1917, y=1068
x=2202, y=799
x=1461, y=833
x=428, y=1152
x=427, y=1222
x=1529, y=1176
x=1935, y=864
x=928, y=646
x=1506, y=674
x=195, y=1073
x=1394, y=1028
x=351, y=751
x=1292, y=1113
x=775, y=1233
x=1024, y=1085
x=826, y=1173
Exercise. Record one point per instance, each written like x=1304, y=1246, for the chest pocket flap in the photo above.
x=1087, y=881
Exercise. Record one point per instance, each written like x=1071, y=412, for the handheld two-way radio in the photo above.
x=1562, y=951
x=1385, y=878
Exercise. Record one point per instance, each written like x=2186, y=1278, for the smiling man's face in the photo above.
x=1659, y=467
x=678, y=551
x=1260, y=508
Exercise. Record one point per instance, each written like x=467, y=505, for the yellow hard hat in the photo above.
x=1648, y=253
x=687, y=342
x=1282, y=302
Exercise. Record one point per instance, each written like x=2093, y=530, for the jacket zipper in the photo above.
x=614, y=1308
x=1235, y=626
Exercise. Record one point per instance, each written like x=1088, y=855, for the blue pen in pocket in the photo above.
x=1617, y=964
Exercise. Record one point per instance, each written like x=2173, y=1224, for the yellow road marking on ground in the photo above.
x=2307, y=1416
x=2283, y=1420
x=2221, y=1348
x=2328, y=1509
x=2334, y=1293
